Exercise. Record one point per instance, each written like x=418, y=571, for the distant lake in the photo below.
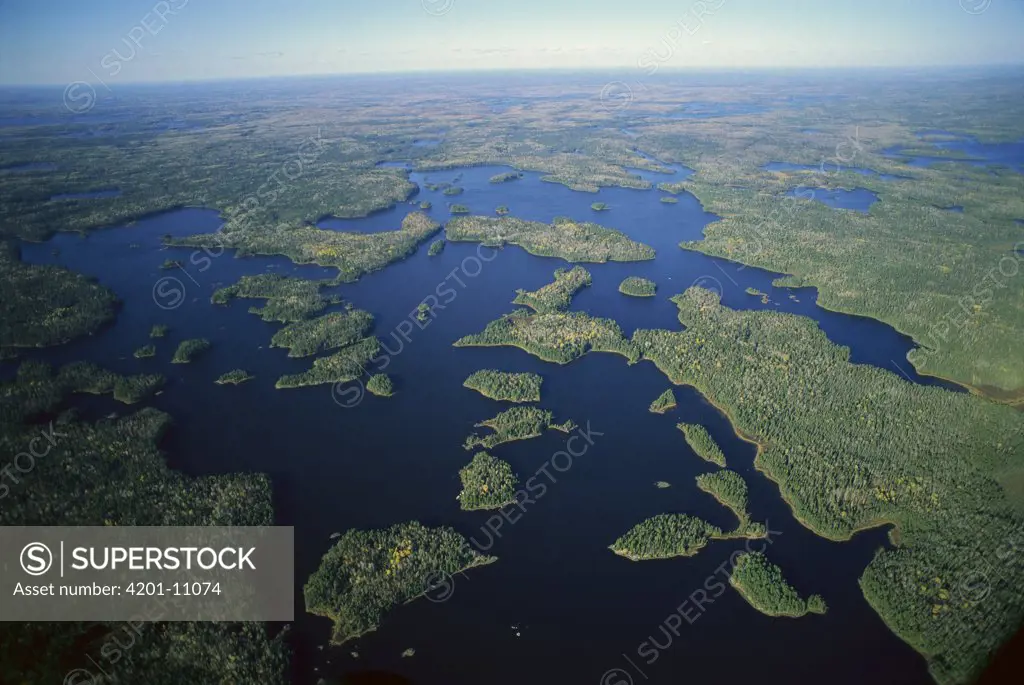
x=830, y=168
x=967, y=151
x=857, y=199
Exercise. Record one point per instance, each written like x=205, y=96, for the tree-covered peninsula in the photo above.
x=353, y=254
x=555, y=296
x=37, y=388
x=42, y=306
x=729, y=488
x=852, y=446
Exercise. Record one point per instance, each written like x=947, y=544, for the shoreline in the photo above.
x=1017, y=403
x=736, y=585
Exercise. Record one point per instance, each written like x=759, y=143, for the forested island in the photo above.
x=664, y=536
x=556, y=296
x=503, y=386
x=760, y=582
x=368, y=573
x=436, y=248
x=564, y=238
x=234, y=377
x=516, y=423
x=189, y=350
x=333, y=330
x=381, y=385
x=638, y=287
x=701, y=442
x=145, y=352
x=343, y=366
x=506, y=177
x=487, y=483
x=557, y=337
x=666, y=401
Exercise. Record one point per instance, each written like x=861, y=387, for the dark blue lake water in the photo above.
x=558, y=607
x=856, y=199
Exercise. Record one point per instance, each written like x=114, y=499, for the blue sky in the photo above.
x=59, y=41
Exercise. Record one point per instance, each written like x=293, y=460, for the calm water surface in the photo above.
x=558, y=607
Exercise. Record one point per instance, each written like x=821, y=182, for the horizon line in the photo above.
x=549, y=70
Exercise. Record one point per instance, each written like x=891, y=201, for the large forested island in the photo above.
x=369, y=572
x=556, y=337
x=570, y=240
